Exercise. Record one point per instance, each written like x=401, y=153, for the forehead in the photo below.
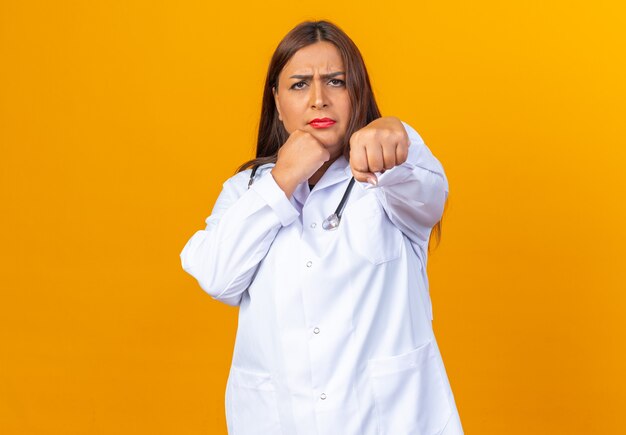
x=321, y=56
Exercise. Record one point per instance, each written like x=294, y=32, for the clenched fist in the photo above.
x=380, y=145
x=298, y=159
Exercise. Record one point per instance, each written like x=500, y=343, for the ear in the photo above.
x=276, y=102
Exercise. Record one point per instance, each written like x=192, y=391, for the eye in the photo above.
x=339, y=82
x=297, y=85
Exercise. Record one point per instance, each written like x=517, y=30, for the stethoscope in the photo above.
x=332, y=221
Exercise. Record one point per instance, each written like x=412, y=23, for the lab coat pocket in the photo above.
x=254, y=409
x=371, y=233
x=409, y=392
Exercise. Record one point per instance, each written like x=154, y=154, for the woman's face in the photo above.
x=312, y=85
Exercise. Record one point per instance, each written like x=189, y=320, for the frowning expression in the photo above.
x=312, y=86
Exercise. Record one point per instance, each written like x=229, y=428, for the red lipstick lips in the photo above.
x=321, y=122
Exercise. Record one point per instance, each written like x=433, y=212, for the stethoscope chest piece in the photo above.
x=331, y=222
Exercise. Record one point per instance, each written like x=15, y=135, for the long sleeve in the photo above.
x=413, y=193
x=240, y=230
x=413, y=196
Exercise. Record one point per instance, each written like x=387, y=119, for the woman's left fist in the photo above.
x=380, y=145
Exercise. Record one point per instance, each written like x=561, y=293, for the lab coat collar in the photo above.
x=301, y=193
x=338, y=171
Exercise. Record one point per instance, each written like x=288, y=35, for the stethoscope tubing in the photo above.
x=332, y=221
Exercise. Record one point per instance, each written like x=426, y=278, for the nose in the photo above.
x=318, y=95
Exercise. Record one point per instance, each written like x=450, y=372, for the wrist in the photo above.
x=284, y=181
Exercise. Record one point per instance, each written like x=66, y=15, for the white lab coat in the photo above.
x=335, y=333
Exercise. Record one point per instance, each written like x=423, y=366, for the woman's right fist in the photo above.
x=298, y=159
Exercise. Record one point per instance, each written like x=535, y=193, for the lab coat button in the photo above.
x=309, y=263
x=313, y=225
x=316, y=330
x=322, y=396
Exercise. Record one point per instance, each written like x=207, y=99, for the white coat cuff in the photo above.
x=270, y=191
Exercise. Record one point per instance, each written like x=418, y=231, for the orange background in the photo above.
x=120, y=120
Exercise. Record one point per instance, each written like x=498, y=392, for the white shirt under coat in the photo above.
x=335, y=327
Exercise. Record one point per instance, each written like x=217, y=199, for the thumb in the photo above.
x=368, y=177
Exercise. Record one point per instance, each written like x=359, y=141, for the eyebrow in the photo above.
x=324, y=76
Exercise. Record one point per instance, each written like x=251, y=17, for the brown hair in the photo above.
x=272, y=134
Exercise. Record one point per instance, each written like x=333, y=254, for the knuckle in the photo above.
x=376, y=167
x=405, y=151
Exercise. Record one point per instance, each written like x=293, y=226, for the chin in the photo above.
x=326, y=137
x=330, y=145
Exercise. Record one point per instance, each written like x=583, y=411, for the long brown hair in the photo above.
x=272, y=134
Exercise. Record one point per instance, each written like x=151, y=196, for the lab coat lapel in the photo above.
x=321, y=203
x=300, y=195
x=337, y=172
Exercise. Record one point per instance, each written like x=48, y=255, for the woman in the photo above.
x=335, y=332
